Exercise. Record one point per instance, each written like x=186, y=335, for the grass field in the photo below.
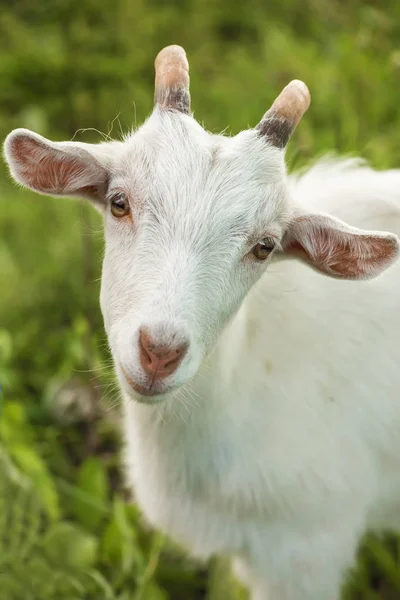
x=67, y=529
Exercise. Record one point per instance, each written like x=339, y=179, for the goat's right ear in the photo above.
x=56, y=168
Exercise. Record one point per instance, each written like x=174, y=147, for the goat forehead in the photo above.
x=185, y=175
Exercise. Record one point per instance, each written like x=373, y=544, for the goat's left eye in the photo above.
x=263, y=249
x=120, y=205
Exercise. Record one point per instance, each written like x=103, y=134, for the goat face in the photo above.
x=191, y=221
x=199, y=218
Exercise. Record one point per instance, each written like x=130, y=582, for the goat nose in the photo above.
x=159, y=361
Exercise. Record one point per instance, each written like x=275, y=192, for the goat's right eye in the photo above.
x=120, y=205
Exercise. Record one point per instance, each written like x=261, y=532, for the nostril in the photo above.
x=145, y=349
x=175, y=357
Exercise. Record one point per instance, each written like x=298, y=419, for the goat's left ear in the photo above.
x=56, y=168
x=339, y=250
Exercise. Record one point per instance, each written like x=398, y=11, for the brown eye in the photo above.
x=120, y=205
x=263, y=249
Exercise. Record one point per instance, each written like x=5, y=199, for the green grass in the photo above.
x=81, y=63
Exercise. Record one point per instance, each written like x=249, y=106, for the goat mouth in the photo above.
x=152, y=389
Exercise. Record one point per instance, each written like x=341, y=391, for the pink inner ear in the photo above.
x=347, y=254
x=370, y=253
x=57, y=175
x=53, y=171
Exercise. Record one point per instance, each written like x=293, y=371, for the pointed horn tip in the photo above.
x=170, y=54
x=172, y=79
x=301, y=90
x=281, y=119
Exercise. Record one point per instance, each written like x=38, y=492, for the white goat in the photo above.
x=262, y=410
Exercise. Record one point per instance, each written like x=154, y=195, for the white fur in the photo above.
x=278, y=438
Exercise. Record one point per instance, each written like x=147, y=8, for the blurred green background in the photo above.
x=84, y=69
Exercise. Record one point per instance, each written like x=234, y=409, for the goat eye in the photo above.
x=120, y=205
x=263, y=249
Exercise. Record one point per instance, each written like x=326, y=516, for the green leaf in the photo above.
x=89, y=506
x=35, y=468
x=14, y=426
x=119, y=546
x=154, y=592
x=69, y=545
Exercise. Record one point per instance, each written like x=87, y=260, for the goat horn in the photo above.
x=172, y=79
x=279, y=122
